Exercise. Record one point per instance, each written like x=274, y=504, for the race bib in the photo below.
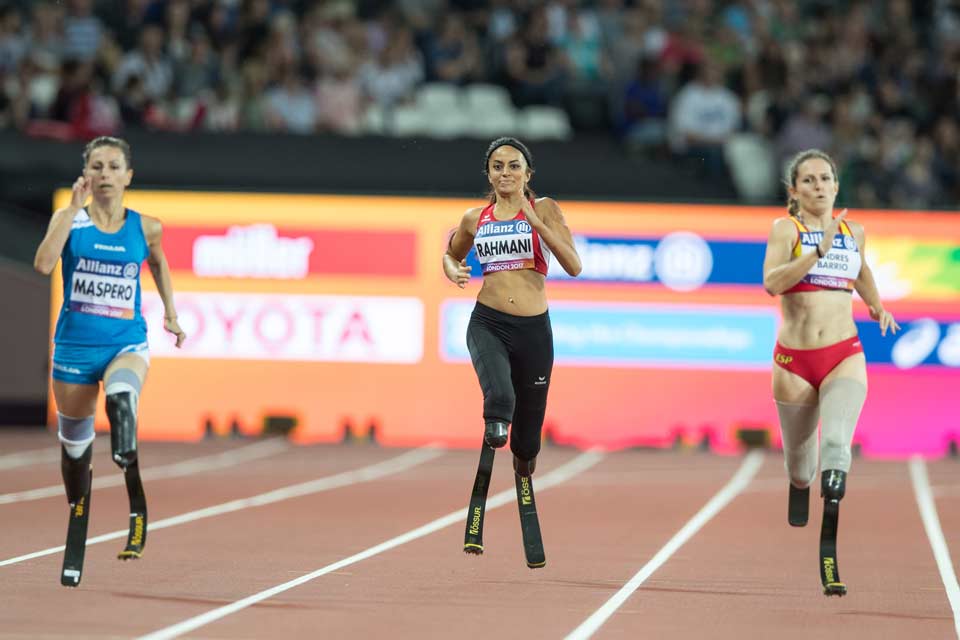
x=505, y=245
x=104, y=288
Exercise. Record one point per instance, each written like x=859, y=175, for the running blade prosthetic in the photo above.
x=829, y=571
x=530, y=523
x=137, y=537
x=473, y=538
x=76, y=544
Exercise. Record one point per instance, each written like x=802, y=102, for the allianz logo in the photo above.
x=628, y=261
x=681, y=260
x=254, y=251
x=923, y=338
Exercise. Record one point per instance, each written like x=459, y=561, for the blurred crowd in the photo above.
x=732, y=87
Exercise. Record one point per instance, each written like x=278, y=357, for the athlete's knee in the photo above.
x=123, y=392
x=833, y=484
x=495, y=433
x=524, y=467
x=75, y=434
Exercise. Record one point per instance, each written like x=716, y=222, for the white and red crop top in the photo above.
x=509, y=245
x=838, y=269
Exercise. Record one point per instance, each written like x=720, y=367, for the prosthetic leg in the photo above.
x=833, y=486
x=77, y=480
x=840, y=403
x=122, y=413
x=494, y=437
x=529, y=522
x=798, y=426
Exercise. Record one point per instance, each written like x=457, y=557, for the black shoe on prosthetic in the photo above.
x=495, y=434
x=798, y=507
x=833, y=486
x=77, y=480
x=473, y=538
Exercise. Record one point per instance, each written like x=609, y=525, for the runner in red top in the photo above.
x=814, y=261
x=509, y=335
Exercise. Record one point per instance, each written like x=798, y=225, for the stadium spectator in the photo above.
x=703, y=116
x=889, y=70
x=149, y=62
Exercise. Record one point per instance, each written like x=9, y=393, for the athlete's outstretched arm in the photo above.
x=455, y=257
x=866, y=286
x=157, y=261
x=48, y=253
x=549, y=222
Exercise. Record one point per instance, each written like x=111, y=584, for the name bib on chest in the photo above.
x=505, y=245
x=104, y=288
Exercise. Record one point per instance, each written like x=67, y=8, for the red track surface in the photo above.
x=745, y=574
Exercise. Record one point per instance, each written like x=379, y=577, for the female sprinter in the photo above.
x=100, y=334
x=815, y=260
x=509, y=334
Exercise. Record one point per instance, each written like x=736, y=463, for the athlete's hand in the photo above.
x=885, y=318
x=532, y=216
x=171, y=325
x=457, y=272
x=830, y=232
x=81, y=191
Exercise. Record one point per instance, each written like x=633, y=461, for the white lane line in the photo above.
x=27, y=458
x=931, y=522
x=212, y=462
x=376, y=471
x=559, y=475
x=748, y=468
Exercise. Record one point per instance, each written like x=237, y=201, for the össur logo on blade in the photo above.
x=104, y=288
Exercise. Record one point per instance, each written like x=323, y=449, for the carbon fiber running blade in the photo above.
x=137, y=536
x=473, y=538
x=530, y=523
x=76, y=545
x=829, y=571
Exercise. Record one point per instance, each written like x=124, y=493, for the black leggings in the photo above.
x=513, y=358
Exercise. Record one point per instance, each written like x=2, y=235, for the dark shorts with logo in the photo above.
x=513, y=358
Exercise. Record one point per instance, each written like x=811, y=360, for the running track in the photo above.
x=280, y=541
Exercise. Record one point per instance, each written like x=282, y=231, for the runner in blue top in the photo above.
x=100, y=334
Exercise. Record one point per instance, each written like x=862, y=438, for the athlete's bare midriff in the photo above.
x=520, y=293
x=814, y=319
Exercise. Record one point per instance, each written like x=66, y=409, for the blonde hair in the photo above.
x=790, y=175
